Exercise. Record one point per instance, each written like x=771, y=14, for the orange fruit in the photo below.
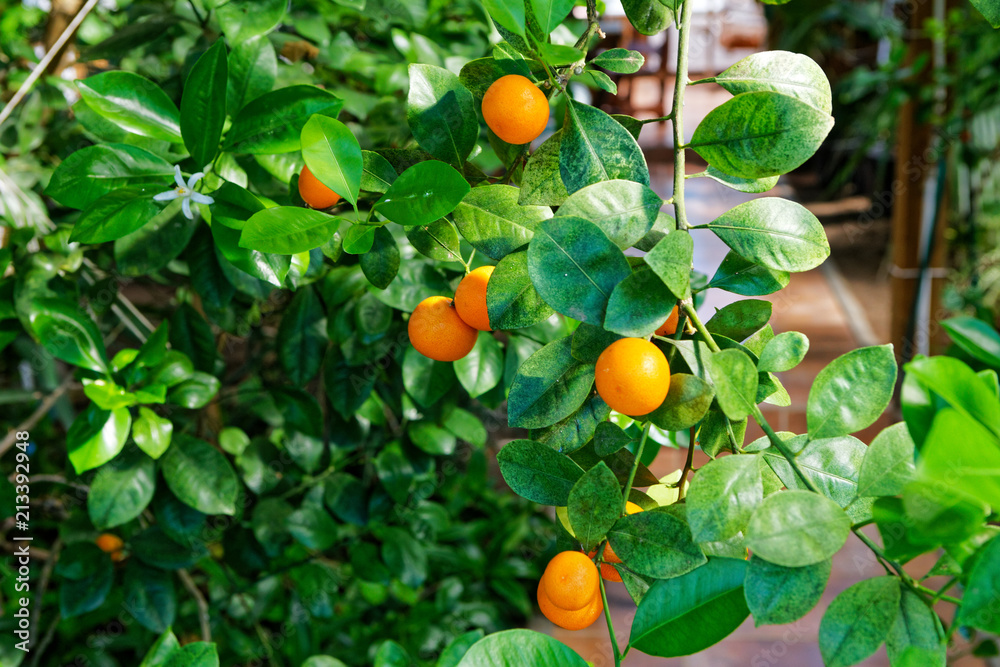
x=109, y=543
x=437, y=332
x=569, y=619
x=515, y=109
x=608, y=571
x=470, y=298
x=669, y=328
x=314, y=193
x=569, y=592
x=632, y=376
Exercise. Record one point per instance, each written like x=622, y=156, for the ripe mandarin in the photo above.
x=436, y=330
x=569, y=591
x=669, y=328
x=515, y=109
x=470, y=298
x=314, y=193
x=632, y=376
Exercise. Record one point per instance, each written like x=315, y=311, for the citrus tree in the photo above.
x=464, y=265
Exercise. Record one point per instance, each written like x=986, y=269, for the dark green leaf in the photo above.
x=426, y=380
x=441, y=114
x=858, y=621
x=438, y=240
x=273, y=122
x=200, y=476
x=538, y=473
x=481, y=369
x=595, y=147
x=723, y=496
x=90, y=173
x=624, y=210
x=748, y=185
x=655, y=544
x=133, y=103
x=851, y=392
x=686, y=403
x=594, y=505
x=301, y=337
x=423, y=193
x=511, y=300
x=542, y=182
x=916, y=637
x=548, y=387
x=735, y=379
x=121, y=490
x=381, y=263
x=116, y=214
x=491, y=219
x=203, y=105
x=150, y=598
x=777, y=595
x=68, y=334
x=740, y=319
x=978, y=608
x=741, y=276
x=253, y=68
x=639, y=305
x=671, y=260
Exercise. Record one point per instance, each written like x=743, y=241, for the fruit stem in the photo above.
x=687, y=464
x=635, y=465
x=611, y=626
x=692, y=315
x=677, y=112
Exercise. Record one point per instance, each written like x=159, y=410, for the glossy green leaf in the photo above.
x=441, y=114
x=622, y=61
x=831, y=464
x=741, y=276
x=253, y=68
x=426, y=380
x=624, y=210
x=438, y=240
x=858, y=621
x=655, y=544
x=537, y=472
x=639, y=305
x=783, y=352
x=548, y=387
x=520, y=648
x=273, y=122
x=490, y=218
x=760, y=134
x=671, y=260
x=333, y=155
x=511, y=300
x=381, y=263
x=748, y=185
x=195, y=654
x=851, y=392
x=121, y=490
x=195, y=392
x=245, y=19
x=423, y=193
x=649, y=17
x=152, y=433
x=161, y=650
x=723, y=496
x=962, y=454
x=575, y=267
x=990, y=9
x=778, y=595
x=302, y=337
x=978, y=608
x=776, y=233
x=888, y=464
x=68, y=334
x=116, y=215
x=96, y=436
x=507, y=13
x=797, y=528
x=594, y=505
x=287, y=230
x=87, y=576
x=312, y=527
x=735, y=379
x=542, y=183
x=957, y=385
x=133, y=103
x=269, y=267
x=595, y=147
x=90, y=173
x=151, y=597
x=782, y=72
x=686, y=403
x=481, y=369
x=377, y=174
x=200, y=476
x=916, y=637
x=687, y=614
x=574, y=432
x=609, y=438
x=203, y=105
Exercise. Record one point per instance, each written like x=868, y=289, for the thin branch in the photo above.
x=192, y=588
x=36, y=416
x=677, y=111
x=46, y=640
x=607, y=617
x=635, y=465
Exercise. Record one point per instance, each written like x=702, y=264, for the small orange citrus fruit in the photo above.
x=669, y=328
x=437, y=332
x=569, y=592
x=577, y=619
x=314, y=193
x=470, y=298
x=109, y=543
x=633, y=376
x=515, y=109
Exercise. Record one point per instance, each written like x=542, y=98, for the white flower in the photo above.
x=185, y=191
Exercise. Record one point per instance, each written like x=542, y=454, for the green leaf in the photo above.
x=975, y=337
x=432, y=439
x=735, y=378
x=312, y=527
x=195, y=654
x=888, y=464
x=359, y=239
x=748, y=185
x=438, y=240
x=423, y=193
x=538, y=473
x=481, y=369
x=589, y=342
x=961, y=454
x=287, y=230
x=574, y=432
x=760, y=134
x=740, y=319
x=490, y=218
x=778, y=595
x=520, y=648
x=90, y=173
x=345, y=495
x=776, y=233
x=916, y=637
x=575, y=267
x=302, y=337
x=609, y=438
x=253, y=68
x=133, y=103
x=155, y=244
x=649, y=17
x=604, y=82
x=978, y=609
x=245, y=19
x=595, y=147
x=655, y=544
x=957, y=385
x=87, y=578
x=116, y=215
x=121, y=490
x=203, y=105
x=782, y=72
x=381, y=263
x=671, y=260
x=624, y=210
x=622, y=61
x=858, y=621
x=687, y=614
x=458, y=647
x=441, y=114
x=151, y=598
x=426, y=380
x=273, y=122
x=549, y=386
x=639, y=305
x=990, y=9
x=686, y=403
x=200, y=476
x=797, y=528
x=377, y=174
x=723, y=496
x=96, y=436
x=270, y=268
x=68, y=334
x=594, y=505
x=550, y=13
x=195, y=392
x=333, y=155
x=165, y=646
x=511, y=300
x=741, y=276
x=559, y=55
x=831, y=464
x=783, y=352
x=851, y=392
x=541, y=183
